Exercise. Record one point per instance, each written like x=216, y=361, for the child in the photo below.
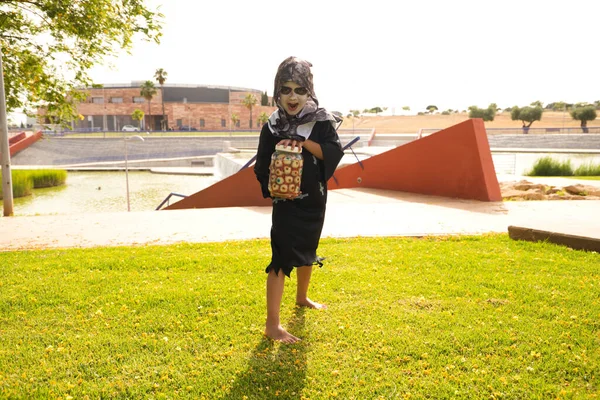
x=297, y=219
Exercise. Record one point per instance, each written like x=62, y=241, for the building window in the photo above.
x=138, y=99
x=223, y=123
x=179, y=122
x=202, y=123
x=98, y=100
x=116, y=99
x=237, y=124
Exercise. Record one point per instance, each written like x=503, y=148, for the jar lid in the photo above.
x=288, y=149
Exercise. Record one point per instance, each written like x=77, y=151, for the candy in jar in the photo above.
x=285, y=171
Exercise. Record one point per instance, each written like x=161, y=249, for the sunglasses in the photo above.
x=301, y=91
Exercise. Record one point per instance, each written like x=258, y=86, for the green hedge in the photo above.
x=24, y=181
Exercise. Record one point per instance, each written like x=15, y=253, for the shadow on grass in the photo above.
x=275, y=370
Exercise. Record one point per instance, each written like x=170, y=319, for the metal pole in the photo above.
x=7, y=192
x=126, y=174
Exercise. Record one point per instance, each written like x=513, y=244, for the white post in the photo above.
x=7, y=192
x=126, y=173
x=125, y=138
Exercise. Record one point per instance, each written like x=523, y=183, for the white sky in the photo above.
x=394, y=53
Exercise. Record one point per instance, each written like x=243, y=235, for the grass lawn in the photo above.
x=458, y=317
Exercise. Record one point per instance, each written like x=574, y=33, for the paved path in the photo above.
x=351, y=213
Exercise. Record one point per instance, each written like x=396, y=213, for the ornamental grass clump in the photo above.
x=547, y=166
x=589, y=169
x=22, y=184
x=24, y=181
x=48, y=177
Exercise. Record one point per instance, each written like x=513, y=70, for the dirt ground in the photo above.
x=412, y=123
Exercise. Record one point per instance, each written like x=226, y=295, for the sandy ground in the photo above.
x=412, y=123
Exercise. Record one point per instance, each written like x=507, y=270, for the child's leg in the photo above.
x=303, y=274
x=273, y=328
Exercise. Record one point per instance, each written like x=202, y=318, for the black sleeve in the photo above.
x=332, y=149
x=266, y=147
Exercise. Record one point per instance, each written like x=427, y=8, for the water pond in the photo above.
x=94, y=192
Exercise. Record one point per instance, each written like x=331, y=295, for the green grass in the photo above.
x=589, y=169
x=24, y=181
x=22, y=184
x=48, y=177
x=458, y=317
x=548, y=166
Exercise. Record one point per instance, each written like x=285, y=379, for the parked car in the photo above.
x=130, y=128
x=187, y=128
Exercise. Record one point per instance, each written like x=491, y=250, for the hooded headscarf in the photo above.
x=297, y=127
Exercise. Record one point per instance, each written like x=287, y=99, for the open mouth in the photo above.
x=292, y=106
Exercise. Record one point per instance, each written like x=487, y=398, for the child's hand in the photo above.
x=292, y=143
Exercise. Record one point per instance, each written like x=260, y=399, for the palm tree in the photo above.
x=161, y=77
x=249, y=102
x=263, y=118
x=148, y=90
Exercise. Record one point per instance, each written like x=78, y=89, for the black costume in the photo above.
x=297, y=224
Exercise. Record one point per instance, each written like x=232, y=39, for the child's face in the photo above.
x=293, y=97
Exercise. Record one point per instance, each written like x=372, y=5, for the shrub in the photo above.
x=547, y=166
x=589, y=169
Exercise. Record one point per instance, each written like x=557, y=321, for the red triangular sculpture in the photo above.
x=454, y=162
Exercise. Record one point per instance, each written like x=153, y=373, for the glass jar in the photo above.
x=285, y=171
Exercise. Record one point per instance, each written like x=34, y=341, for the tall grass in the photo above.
x=24, y=181
x=48, y=177
x=547, y=166
x=589, y=169
x=22, y=184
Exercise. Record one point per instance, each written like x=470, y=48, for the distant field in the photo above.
x=412, y=123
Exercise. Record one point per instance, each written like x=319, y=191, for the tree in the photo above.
x=558, y=106
x=138, y=115
x=527, y=115
x=487, y=114
x=584, y=114
x=161, y=77
x=234, y=119
x=353, y=115
x=147, y=91
x=264, y=99
x=431, y=109
x=249, y=102
x=406, y=108
x=376, y=110
x=36, y=36
x=263, y=118
x=537, y=103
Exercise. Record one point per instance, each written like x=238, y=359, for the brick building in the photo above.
x=202, y=107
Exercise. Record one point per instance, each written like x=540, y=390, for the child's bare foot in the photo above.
x=280, y=334
x=310, y=304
